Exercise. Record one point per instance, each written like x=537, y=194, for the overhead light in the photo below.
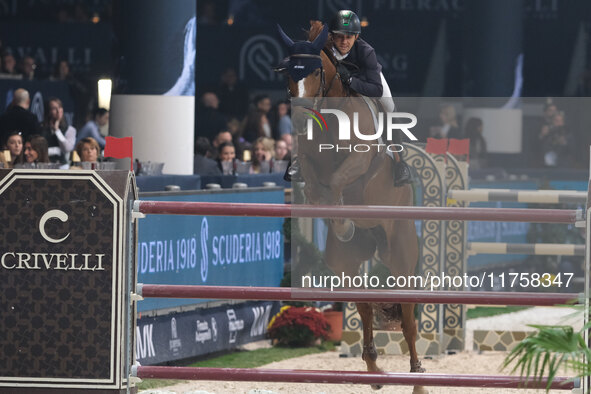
x=230, y=20
x=95, y=18
x=104, y=93
x=364, y=22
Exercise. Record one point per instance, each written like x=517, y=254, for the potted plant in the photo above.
x=334, y=316
x=298, y=326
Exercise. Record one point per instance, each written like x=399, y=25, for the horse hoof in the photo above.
x=416, y=367
x=376, y=386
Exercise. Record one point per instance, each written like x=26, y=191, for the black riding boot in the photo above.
x=293, y=172
x=402, y=174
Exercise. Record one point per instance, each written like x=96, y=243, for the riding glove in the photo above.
x=344, y=74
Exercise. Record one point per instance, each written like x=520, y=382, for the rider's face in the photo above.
x=344, y=42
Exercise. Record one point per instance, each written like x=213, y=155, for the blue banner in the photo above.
x=210, y=250
x=182, y=335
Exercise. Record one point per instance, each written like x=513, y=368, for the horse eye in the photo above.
x=317, y=72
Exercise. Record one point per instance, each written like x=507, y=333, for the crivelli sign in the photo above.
x=63, y=238
x=52, y=261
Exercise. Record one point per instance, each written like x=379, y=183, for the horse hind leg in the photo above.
x=370, y=354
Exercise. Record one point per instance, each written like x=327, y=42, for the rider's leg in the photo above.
x=402, y=174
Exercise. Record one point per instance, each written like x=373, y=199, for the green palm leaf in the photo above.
x=554, y=346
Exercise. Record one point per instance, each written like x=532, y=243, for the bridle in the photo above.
x=322, y=91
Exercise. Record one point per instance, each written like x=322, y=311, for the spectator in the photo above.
x=473, y=131
x=288, y=140
x=233, y=95
x=556, y=143
x=283, y=121
x=78, y=90
x=17, y=117
x=202, y=163
x=226, y=157
x=256, y=125
x=92, y=127
x=36, y=150
x=28, y=68
x=60, y=136
x=263, y=153
x=262, y=103
x=210, y=120
x=61, y=71
x=9, y=65
x=88, y=150
x=281, y=151
x=449, y=124
x=14, y=144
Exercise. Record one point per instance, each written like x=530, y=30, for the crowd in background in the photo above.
x=29, y=143
x=233, y=136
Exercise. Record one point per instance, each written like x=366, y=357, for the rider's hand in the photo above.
x=344, y=74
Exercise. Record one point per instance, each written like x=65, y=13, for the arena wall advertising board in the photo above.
x=210, y=250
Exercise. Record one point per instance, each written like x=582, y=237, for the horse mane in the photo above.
x=316, y=28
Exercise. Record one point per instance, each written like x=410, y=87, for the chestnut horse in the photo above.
x=352, y=178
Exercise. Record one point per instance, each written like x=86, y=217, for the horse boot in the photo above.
x=293, y=172
x=402, y=174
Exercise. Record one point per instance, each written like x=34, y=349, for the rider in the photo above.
x=358, y=68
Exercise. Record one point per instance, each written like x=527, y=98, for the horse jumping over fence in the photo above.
x=351, y=178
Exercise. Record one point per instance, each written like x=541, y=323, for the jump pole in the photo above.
x=358, y=212
x=361, y=295
x=346, y=377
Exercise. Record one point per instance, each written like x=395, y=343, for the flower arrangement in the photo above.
x=298, y=326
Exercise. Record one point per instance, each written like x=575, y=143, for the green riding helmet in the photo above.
x=345, y=22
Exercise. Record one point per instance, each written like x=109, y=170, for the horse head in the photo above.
x=304, y=64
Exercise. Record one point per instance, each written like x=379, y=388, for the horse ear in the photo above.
x=321, y=39
x=288, y=41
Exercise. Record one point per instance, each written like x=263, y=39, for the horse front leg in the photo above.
x=370, y=354
x=409, y=330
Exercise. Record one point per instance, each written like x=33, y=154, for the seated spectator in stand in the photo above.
x=202, y=163
x=256, y=125
x=557, y=143
x=473, y=131
x=226, y=157
x=14, y=145
x=36, y=150
x=18, y=117
x=289, y=141
x=61, y=71
x=80, y=92
x=218, y=140
x=262, y=103
x=281, y=151
x=263, y=150
x=9, y=66
x=88, y=150
x=92, y=127
x=449, y=124
x=281, y=122
x=233, y=95
x=28, y=68
x=210, y=120
x=60, y=136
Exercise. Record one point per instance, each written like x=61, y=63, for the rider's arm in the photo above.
x=368, y=81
